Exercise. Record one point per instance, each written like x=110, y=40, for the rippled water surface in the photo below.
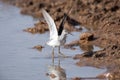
x=19, y=62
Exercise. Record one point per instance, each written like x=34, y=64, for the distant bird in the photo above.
x=57, y=38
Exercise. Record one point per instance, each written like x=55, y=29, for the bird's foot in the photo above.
x=63, y=55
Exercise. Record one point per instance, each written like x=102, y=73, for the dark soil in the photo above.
x=101, y=17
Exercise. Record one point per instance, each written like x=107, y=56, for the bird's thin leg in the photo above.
x=59, y=62
x=53, y=56
x=60, y=52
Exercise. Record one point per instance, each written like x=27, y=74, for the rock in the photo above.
x=83, y=42
x=76, y=78
x=87, y=36
x=77, y=56
x=38, y=47
x=106, y=75
x=40, y=27
x=31, y=30
x=86, y=47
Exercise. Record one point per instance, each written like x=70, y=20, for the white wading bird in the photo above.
x=57, y=38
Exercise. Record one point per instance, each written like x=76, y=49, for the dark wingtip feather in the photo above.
x=61, y=27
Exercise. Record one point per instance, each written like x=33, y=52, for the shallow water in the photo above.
x=19, y=62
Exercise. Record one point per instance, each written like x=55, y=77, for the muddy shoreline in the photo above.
x=102, y=19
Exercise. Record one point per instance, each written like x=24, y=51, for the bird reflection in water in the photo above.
x=56, y=72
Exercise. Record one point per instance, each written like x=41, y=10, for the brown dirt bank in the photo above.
x=101, y=17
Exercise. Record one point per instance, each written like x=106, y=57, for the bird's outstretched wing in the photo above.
x=61, y=27
x=51, y=24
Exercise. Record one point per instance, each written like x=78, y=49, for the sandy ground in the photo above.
x=101, y=17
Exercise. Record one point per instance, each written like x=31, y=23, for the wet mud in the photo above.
x=100, y=17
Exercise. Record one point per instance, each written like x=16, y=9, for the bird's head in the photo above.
x=65, y=32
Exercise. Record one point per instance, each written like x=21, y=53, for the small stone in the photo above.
x=87, y=36
x=76, y=78
x=38, y=47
